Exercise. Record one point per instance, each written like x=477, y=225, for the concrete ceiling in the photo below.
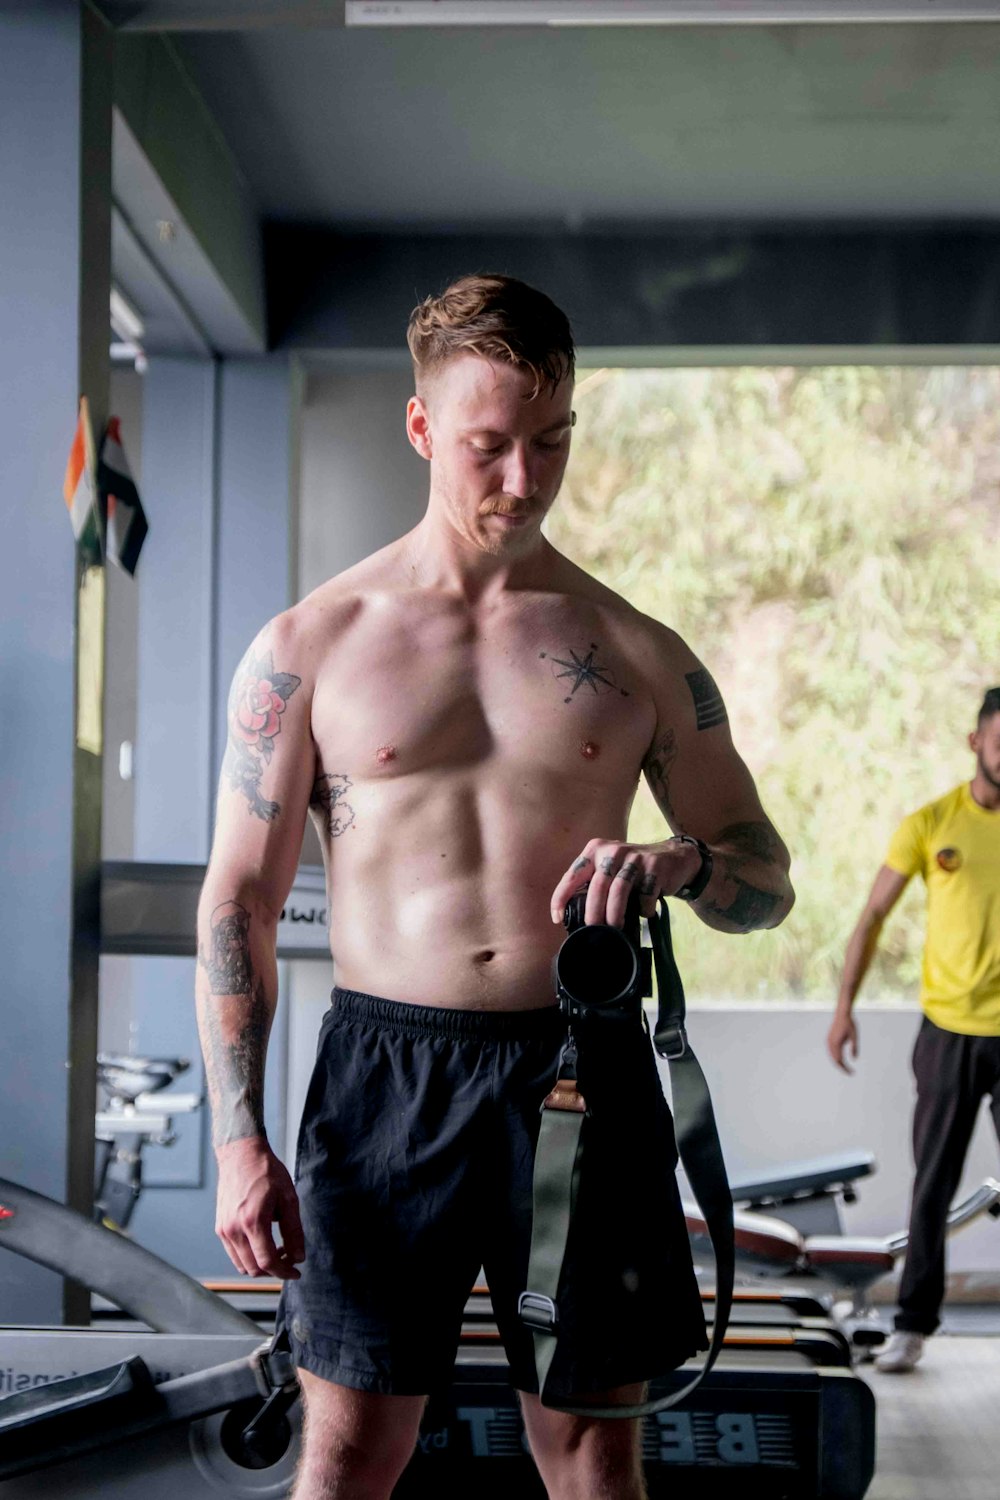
x=391, y=129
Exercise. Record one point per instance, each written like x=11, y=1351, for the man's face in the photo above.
x=497, y=454
x=986, y=744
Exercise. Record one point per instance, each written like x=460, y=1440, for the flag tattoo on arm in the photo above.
x=708, y=705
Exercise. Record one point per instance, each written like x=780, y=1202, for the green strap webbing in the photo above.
x=558, y=1161
x=557, y=1166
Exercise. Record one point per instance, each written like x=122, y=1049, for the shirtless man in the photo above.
x=466, y=715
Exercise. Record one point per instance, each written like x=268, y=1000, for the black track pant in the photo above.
x=953, y=1073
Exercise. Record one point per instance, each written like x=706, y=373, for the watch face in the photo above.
x=949, y=859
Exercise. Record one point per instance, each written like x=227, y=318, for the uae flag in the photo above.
x=121, y=508
x=78, y=486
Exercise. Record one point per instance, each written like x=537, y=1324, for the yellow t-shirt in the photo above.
x=955, y=845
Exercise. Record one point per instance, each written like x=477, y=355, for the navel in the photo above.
x=485, y=955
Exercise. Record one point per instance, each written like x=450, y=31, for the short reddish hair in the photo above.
x=496, y=317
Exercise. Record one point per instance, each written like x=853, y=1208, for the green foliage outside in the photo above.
x=826, y=541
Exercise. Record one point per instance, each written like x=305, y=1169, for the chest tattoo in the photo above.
x=581, y=670
x=329, y=794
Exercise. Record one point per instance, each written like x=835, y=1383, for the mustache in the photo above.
x=504, y=507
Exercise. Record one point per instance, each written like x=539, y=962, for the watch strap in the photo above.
x=695, y=886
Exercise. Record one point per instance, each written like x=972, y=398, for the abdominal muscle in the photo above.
x=440, y=889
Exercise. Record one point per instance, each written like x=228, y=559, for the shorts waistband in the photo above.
x=407, y=1019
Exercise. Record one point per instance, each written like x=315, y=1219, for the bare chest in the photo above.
x=551, y=691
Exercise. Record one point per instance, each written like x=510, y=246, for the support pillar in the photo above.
x=55, y=183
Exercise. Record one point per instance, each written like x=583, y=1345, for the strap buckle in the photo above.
x=273, y=1368
x=672, y=1043
x=538, y=1311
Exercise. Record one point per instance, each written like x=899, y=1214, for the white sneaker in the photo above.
x=901, y=1353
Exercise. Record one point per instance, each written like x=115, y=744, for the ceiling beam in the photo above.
x=894, y=291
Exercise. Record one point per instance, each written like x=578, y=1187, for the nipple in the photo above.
x=589, y=750
x=384, y=754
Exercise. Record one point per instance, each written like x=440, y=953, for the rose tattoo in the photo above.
x=257, y=701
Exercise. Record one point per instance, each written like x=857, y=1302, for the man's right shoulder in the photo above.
x=320, y=621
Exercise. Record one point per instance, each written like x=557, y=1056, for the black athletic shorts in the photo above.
x=414, y=1169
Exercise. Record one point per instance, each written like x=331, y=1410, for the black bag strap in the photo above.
x=560, y=1159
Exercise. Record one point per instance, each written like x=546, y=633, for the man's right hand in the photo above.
x=843, y=1034
x=255, y=1191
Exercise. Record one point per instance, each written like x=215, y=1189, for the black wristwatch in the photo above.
x=694, y=888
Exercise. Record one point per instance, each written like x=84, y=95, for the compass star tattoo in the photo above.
x=584, y=670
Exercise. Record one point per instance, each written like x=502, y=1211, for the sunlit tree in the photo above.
x=826, y=540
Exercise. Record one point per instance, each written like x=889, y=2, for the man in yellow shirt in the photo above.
x=954, y=843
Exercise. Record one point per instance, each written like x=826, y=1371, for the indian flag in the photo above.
x=121, y=507
x=78, y=486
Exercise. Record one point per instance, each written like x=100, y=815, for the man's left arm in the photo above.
x=707, y=795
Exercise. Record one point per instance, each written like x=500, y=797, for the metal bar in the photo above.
x=99, y=1260
x=152, y=909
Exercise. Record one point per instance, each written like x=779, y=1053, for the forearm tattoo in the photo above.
x=257, y=701
x=709, y=708
x=574, y=670
x=736, y=846
x=227, y=962
x=740, y=843
x=658, y=766
x=749, y=909
x=235, y=1034
x=329, y=795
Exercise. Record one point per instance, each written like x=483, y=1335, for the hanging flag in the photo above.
x=121, y=508
x=78, y=487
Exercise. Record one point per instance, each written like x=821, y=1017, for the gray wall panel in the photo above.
x=172, y=779
x=254, y=473
x=216, y=467
x=362, y=485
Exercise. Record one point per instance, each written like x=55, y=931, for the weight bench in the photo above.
x=770, y=1247
x=808, y=1193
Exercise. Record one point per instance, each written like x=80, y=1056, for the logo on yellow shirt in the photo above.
x=949, y=859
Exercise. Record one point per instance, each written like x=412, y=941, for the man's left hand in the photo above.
x=610, y=871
